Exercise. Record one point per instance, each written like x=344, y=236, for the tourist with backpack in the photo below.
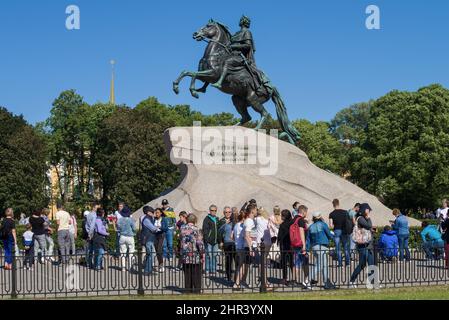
x=298, y=235
x=9, y=236
x=318, y=239
x=363, y=237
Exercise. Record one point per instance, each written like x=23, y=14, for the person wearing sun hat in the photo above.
x=318, y=239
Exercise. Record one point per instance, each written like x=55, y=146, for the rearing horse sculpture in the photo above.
x=238, y=83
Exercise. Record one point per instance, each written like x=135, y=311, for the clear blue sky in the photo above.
x=318, y=53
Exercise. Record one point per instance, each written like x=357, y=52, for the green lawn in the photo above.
x=410, y=293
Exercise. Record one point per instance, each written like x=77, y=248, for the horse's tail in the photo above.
x=281, y=111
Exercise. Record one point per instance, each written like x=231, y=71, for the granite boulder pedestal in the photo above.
x=228, y=166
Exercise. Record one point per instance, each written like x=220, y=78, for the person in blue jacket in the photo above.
x=400, y=225
x=388, y=244
x=432, y=241
x=318, y=238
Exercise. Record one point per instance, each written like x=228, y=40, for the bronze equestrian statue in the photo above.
x=229, y=65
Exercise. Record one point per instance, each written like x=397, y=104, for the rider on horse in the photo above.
x=243, y=49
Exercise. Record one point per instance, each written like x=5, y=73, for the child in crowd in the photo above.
x=28, y=244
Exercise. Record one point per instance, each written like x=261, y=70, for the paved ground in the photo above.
x=49, y=280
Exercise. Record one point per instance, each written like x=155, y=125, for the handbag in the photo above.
x=361, y=235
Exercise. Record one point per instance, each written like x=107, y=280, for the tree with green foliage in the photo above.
x=404, y=158
x=349, y=124
x=23, y=169
x=71, y=129
x=131, y=161
x=322, y=148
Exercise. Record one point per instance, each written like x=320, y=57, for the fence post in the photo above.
x=140, y=290
x=263, y=269
x=14, y=275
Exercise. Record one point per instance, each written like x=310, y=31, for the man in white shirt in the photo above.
x=442, y=212
x=63, y=221
x=118, y=216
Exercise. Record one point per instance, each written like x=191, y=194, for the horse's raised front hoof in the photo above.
x=216, y=85
x=195, y=94
x=243, y=122
x=202, y=90
x=175, y=88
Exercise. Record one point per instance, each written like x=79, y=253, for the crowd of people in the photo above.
x=245, y=236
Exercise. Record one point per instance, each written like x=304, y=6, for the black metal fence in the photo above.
x=265, y=271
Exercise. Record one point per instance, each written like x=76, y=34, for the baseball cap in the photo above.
x=363, y=207
x=164, y=202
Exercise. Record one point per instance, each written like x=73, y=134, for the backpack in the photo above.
x=85, y=234
x=144, y=232
x=361, y=235
x=4, y=232
x=295, y=235
x=349, y=224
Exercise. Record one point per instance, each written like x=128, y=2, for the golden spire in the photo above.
x=112, y=97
